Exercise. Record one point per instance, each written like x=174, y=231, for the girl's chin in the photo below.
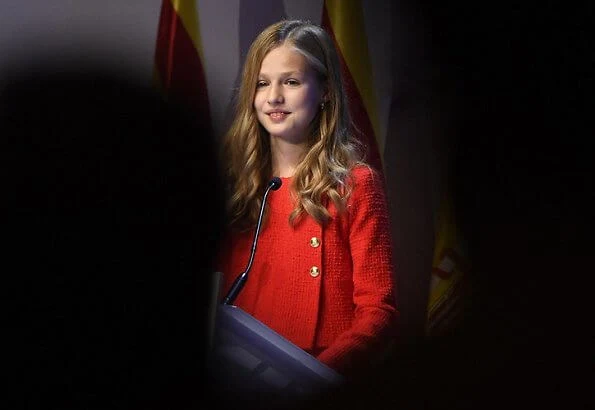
x=291, y=139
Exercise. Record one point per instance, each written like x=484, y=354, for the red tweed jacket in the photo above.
x=330, y=290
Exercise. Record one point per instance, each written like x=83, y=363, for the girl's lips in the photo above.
x=278, y=116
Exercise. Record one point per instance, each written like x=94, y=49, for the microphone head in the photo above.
x=275, y=183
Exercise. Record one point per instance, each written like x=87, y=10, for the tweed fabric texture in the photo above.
x=330, y=290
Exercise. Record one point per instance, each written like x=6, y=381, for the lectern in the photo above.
x=247, y=356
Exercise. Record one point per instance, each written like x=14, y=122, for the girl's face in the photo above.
x=288, y=95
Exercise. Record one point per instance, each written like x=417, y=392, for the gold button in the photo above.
x=314, y=271
x=314, y=242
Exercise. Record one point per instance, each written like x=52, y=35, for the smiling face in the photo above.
x=288, y=95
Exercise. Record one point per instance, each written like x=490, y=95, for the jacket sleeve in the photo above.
x=374, y=290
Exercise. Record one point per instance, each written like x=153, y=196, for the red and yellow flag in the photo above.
x=179, y=69
x=450, y=267
x=344, y=21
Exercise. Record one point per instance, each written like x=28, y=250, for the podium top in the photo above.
x=251, y=355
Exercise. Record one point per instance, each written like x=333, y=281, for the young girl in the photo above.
x=322, y=275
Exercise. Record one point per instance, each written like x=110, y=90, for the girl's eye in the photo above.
x=292, y=82
x=261, y=84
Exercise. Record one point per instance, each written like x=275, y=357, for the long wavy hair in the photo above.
x=332, y=150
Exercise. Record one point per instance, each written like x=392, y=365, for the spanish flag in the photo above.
x=344, y=21
x=450, y=270
x=179, y=69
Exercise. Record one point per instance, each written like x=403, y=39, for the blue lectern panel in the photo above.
x=250, y=356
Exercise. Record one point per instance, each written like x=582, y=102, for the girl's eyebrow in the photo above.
x=283, y=74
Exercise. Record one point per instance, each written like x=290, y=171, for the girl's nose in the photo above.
x=275, y=95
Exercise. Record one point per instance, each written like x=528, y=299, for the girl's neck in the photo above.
x=285, y=157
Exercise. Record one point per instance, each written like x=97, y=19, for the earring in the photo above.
x=322, y=106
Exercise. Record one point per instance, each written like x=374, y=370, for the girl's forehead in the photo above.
x=284, y=57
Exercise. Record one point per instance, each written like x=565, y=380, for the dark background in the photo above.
x=516, y=80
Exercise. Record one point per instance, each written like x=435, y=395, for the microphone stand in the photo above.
x=238, y=284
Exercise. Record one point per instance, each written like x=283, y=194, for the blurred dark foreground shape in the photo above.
x=113, y=210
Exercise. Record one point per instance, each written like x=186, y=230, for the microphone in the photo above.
x=238, y=284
